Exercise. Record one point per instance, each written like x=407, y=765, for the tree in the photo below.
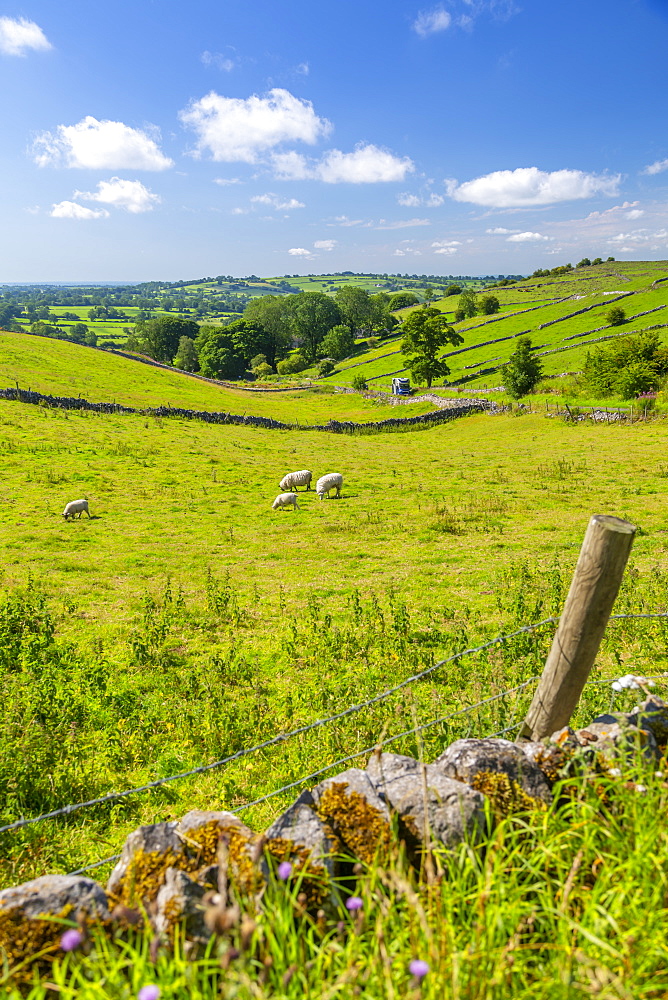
x=426, y=331
x=314, y=314
x=359, y=383
x=453, y=290
x=585, y=262
x=186, y=356
x=523, y=370
x=401, y=300
x=628, y=366
x=488, y=304
x=429, y=294
x=274, y=315
x=159, y=338
x=217, y=353
x=467, y=304
x=615, y=316
x=338, y=343
x=292, y=365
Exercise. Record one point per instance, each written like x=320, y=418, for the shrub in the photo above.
x=488, y=304
x=292, y=365
x=615, y=316
x=263, y=370
x=326, y=367
x=359, y=383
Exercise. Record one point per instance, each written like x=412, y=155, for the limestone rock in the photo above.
x=468, y=758
x=653, y=715
x=349, y=805
x=147, y=854
x=429, y=804
x=33, y=916
x=300, y=835
x=179, y=902
x=615, y=736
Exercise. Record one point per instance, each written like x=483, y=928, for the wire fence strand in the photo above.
x=280, y=738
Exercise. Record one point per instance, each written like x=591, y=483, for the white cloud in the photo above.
x=225, y=181
x=527, y=186
x=99, y=145
x=281, y=205
x=233, y=129
x=446, y=244
x=407, y=251
x=414, y=200
x=303, y=69
x=656, y=168
x=240, y=211
x=343, y=220
x=402, y=224
x=130, y=195
x=500, y=231
x=325, y=244
x=429, y=22
x=368, y=164
x=635, y=213
x=219, y=60
x=446, y=250
x=300, y=252
x=18, y=36
x=527, y=238
x=71, y=210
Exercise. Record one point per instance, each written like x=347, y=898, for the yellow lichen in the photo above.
x=145, y=874
x=26, y=941
x=363, y=829
x=313, y=877
x=505, y=795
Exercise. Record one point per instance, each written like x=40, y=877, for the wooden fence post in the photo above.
x=598, y=574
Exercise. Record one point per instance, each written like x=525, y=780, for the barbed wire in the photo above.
x=282, y=737
x=355, y=756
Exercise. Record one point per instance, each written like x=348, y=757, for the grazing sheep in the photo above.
x=333, y=480
x=285, y=500
x=76, y=507
x=295, y=479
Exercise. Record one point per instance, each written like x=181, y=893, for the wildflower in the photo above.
x=631, y=681
x=354, y=903
x=149, y=992
x=418, y=968
x=71, y=940
x=284, y=870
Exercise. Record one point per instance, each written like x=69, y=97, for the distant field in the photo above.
x=59, y=368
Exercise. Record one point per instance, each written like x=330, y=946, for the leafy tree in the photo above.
x=615, y=316
x=263, y=370
x=326, y=366
x=628, y=366
x=453, y=290
x=355, y=307
x=273, y=314
x=488, y=304
x=585, y=262
x=401, y=300
x=523, y=370
x=359, y=383
x=252, y=338
x=426, y=331
x=429, y=294
x=217, y=353
x=186, y=356
x=159, y=338
x=467, y=304
x=314, y=315
x=597, y=260
x=338, y=343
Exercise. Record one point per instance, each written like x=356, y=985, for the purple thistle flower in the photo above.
x=418, y=968
x=354, y=903
x=149, y=992
x=71, y=940
x=284, y=870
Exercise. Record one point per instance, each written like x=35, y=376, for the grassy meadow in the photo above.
x=186, y=622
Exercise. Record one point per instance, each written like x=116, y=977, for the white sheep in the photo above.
x=285, y=500
x=333, y=480
x=76, y=507
x=295, y=479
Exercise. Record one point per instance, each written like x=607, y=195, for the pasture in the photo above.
x=188, y=620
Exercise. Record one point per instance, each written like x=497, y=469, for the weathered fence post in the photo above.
x=598, y=574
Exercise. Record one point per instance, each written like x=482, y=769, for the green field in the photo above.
x=188, y=621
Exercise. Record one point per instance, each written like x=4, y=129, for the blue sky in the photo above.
x=155, y=139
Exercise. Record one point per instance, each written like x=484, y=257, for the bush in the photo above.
x=615, y=316
x=488, y=304
x=326, y=366
x=359, y=383
x=292, y=365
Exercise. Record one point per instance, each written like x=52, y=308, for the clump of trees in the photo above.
x=425, y=333
x=523, y=371
x=615, y=316
x=470, y=305
x=627, y=367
